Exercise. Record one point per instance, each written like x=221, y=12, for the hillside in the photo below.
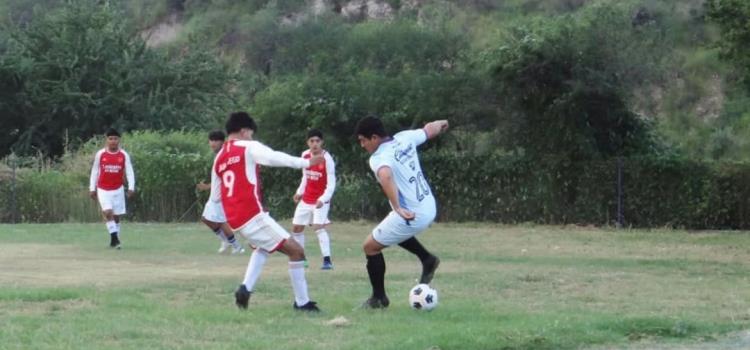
x=446, y=50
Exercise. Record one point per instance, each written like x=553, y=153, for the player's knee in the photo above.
x=298, y=229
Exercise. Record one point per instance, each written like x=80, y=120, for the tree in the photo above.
x=71, y=73
x=566, y=84
x=733, y=19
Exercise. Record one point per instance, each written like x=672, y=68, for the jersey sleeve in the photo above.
x=95, y=171
x=416, y=136
x=215, y=195
x=377, y=162
x=129, y=173
x=330, y=180
x=303, y=182
x=264, y=155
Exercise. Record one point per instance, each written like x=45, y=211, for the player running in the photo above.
x=234, y=183
x=395, y=162
x=313, y=197
x=111, y=163
x=213, y=214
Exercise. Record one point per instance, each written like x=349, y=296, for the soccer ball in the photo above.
x=423, y=297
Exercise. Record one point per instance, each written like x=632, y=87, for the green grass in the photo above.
x=501, y=287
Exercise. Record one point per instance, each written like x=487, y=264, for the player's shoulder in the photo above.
x=305, y=153
x=328, y=156
x=100, y=152
x=125, y=153
x=410, y=134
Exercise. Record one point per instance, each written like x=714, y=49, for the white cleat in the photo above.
x=223, y=247
x=238, y=250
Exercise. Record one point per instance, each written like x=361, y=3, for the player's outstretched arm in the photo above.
x=94, y=177
x=264, y=155
x=435, y=128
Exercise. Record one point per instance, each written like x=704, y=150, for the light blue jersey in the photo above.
x=400, y=154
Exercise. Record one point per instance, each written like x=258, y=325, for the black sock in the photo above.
x=327, y=259
x=376, y=271
x=413, y=246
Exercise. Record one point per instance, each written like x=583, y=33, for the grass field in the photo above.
x=501, y=287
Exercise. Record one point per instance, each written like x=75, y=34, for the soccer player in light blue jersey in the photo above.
x=395, y=162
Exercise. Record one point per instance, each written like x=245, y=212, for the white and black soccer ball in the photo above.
x=423, y=297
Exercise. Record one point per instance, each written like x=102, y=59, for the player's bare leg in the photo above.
x=324, y=241
x=376, y=271
x=430, y=262
x=296, y=256
x=224, y=233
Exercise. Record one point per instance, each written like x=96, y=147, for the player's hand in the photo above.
x=131, y=193
x=315, y=160
x=443, y=125
x=92, y=194
x=404, y=213
x=319, y=204
x=296, y=198
x=202, y=186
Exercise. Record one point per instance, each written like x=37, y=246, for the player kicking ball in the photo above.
x=313, y=197
x=395, y=162
x=111, y=164
x=213, y=214
x=235, y=184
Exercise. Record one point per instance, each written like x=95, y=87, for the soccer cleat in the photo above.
x=311, y=306
x=114, y=242
x=376, y=303
x=327, y=265
x=223, y=247
x=428, y=269
x=238, y=250
x=242, y=297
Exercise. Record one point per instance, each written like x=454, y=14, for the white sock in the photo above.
x=111, y=227
x=324, y=241
x=254, y=268
x=117, y=227
x=220, y=235
x=233, y=241
x=300, y=238
x=299, y=283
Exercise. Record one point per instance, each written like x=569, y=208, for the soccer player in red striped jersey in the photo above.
x=313, y=197
x=235, y=183
x=111, y=164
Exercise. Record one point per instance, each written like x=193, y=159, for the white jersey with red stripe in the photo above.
x=318, y=181
x=235, y=181
x=108, y=170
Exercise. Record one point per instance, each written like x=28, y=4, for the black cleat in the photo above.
x=114, y=242
x=242, y=297
x=311, y=306
x=376, y=303
x=428, y=269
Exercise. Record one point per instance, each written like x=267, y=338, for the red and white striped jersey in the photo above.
x=318, y=181
x=108, y=170
x=235, y=179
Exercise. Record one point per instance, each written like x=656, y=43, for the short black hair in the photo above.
x=314, y=133
x=369, y=126
x=112, y=132
x=217, y=135
x=238, y=121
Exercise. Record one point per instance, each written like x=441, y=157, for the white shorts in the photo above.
x=214, y=212
x=308, y=214
x=264, y=232
x=112, y=200
x=394, y=229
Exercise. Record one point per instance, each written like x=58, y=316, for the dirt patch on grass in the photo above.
x=733, y=341
x=40, y=265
